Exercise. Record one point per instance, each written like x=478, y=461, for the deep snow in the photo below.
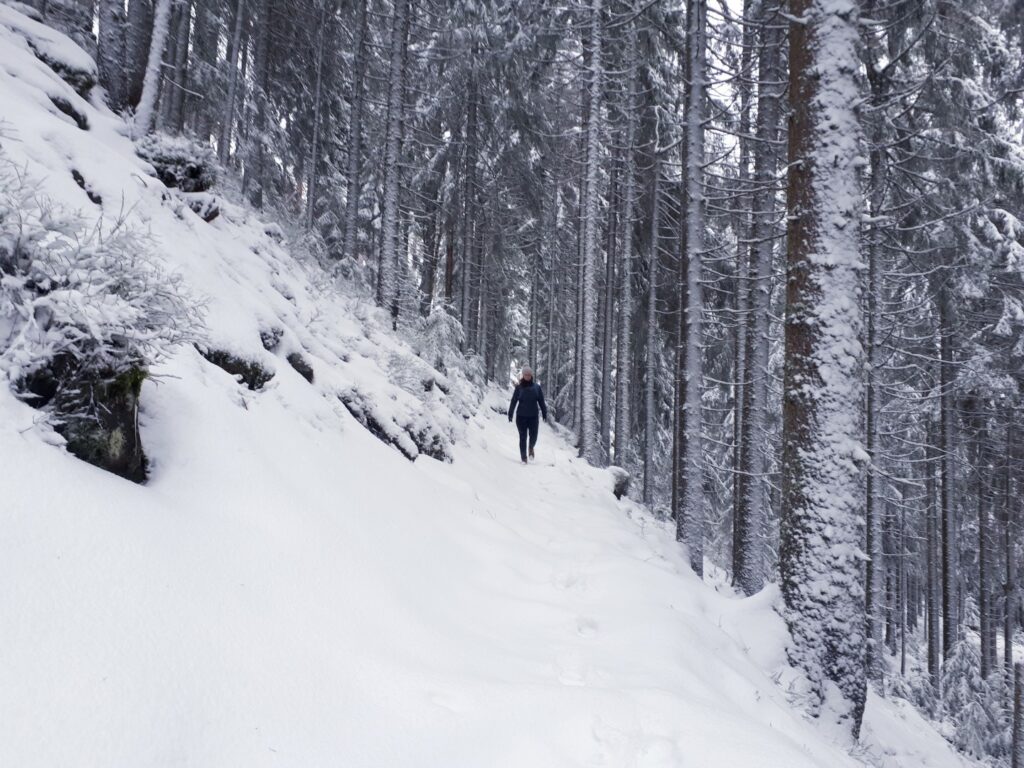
x=289, y=591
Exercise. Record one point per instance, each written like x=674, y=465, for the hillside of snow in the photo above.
x=289, y=589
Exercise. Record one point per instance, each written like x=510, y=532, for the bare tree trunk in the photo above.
x=623, y=362
x=589, y=448
x=1017, y=744
x=745, y=221
x=1009, y=556
x=137, y=43
x=151, y=84
x=391, y=214
x=314, y=150
x=608, y=314
x=650, y=360
x=694, y=502
x=750, y=522
x=950, y=621
x=933, y=584
x=224, y=144
x=355, y=137
x=111, y=59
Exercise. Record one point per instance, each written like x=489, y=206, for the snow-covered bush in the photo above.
x=440, y=339
x=972, y=704
x=179, y=161
x=84, y=311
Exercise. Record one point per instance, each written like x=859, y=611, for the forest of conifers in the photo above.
x=767, y=256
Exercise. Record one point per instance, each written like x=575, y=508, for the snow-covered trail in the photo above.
x=288, y=591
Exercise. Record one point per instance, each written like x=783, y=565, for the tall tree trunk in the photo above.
x=934, y=573
x=137, y=43
x=623, y=363
x=876, y=202
x=950, y=621
x=390, y=213
x=822, y=494
x=179, y=71
x=750, y=522
x=589, y=447
x=145, y=114
x=469, y=208
x=111, y=59
x=694, y=502
x=355, y=137
x=745, y=218
x=608, y=313
x=1009, y=556
x=651, y=353
x=254, y=180
x=1017, y=741
x=314, y=150
x=224, y=144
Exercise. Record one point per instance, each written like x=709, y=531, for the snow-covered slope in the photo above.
x=287, y=590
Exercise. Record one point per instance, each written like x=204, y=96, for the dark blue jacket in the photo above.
x=529, y=397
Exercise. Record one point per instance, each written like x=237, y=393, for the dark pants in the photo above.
x=527, y=426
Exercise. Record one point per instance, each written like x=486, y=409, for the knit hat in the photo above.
x=527, y=370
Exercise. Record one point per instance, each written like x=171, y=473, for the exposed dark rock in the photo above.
x=87, y=188
x=97, y=415
x=409, y=442
x=366, y=417
x=248, y=372
x=202, y=204
x=65, y=106
x=621, y=478
x=431, y=444
x=432, y=381
x=271, y=337
x=107, y=435
x=299, y=363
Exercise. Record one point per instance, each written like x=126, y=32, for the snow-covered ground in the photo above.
x=287, y=590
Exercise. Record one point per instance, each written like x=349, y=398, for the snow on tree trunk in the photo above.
x=224, y=144
x=749, y=544
x=314, y=150
x=607, y=310
x=589, y=446
x=694, y=502
x=821, y=529
x=650, y=359
x=355, y=137
x=388, y=280
x=623, y=348
x=151, y=83
x=110, y=57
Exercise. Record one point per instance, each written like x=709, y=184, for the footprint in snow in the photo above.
x=570, y=669
x=585, y=626
x=570, y=579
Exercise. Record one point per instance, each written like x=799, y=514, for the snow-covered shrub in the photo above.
x=440, y=339
x=972, y=704
x=84, y=312
x=180, y=162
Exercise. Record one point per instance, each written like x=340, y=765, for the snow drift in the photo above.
x=289, y=589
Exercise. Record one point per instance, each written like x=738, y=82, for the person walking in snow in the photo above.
x=530, y=398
